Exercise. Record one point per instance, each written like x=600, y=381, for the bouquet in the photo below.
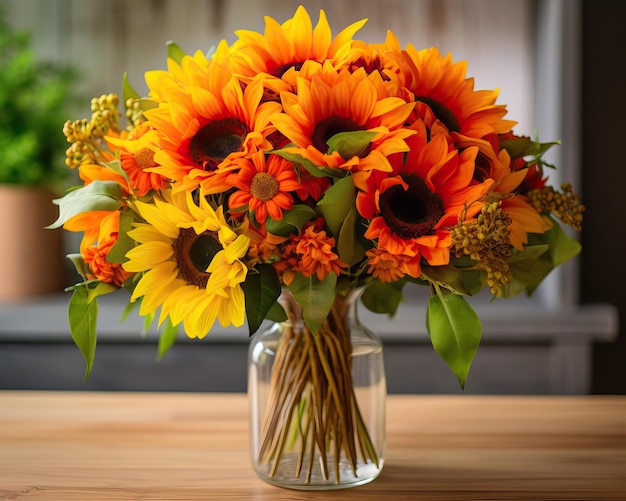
x=295, y=160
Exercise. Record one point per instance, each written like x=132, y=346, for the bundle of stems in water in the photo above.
x=312, y=405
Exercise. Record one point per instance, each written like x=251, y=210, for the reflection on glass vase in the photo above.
x=317, y=401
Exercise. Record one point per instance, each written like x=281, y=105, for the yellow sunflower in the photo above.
x=190, y=264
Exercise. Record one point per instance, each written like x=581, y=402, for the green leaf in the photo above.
x=382, y=297
x=174, y=51
x=350, y=144
x=524, y=146
x=292, y=220
x=124, y=243
x=79, y=263
x=524, y=269
x=98, y=195
x=562, y=248
x=82, y=318
x=276, y=313
x=337, y=202
x=82, y=315
x=261, y=291
x=127, y=89
x=447, y=276
x=167, y=338
x=315, y=296
x=348, y=246
x=454, y=330
x=312, y=169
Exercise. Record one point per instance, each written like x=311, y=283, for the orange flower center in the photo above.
x=412, y=213
x=145, y=158
x=264, y=186
x=216, y=140
x=194, y=253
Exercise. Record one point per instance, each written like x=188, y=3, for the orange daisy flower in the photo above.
x=441, y=84
x=96, y=254
x=204, y=117
x=388, y=267
x=137, y=159
x=311, y=253
x=339, y=101
x=264, y=186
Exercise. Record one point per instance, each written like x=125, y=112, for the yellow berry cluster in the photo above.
x=486, y=241
x=86, y=136
x=563, y=204
x=134, y=112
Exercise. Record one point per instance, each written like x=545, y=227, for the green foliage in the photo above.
x=261, y=290
x=383, y=297
x=98, y=195
x=454, y=329
x=315, y=296
x=350, y=144
x=82, y=316
x=35, y=97
x=561, y=248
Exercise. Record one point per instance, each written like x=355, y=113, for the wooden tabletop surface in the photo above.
x=179, y=446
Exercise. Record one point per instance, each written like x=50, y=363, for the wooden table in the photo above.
x=171, y=446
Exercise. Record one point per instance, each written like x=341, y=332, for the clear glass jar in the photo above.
x=317, y=401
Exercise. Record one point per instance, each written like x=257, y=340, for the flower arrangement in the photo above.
x=294, y=159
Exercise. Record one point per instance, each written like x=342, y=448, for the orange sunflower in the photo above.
x=283, y=48
x=264, y=187
x=387, y=60
x=429, y=190
x=205, y=117
x=441, y=84
x=339, y=101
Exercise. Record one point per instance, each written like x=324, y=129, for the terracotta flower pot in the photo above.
x=31, y=257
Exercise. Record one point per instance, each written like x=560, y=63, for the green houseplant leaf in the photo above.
x=454, y=329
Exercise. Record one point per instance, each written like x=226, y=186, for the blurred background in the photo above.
x=558, y=65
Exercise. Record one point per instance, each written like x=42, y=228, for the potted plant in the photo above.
x=34, y=98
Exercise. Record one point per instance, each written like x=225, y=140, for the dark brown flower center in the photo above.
x=411, y=213
x=279, y=71
x=194, y=253
x=216, y=140
x=442, y=113
x=328, y=127
x=264, y=186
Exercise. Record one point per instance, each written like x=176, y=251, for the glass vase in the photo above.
x=317, y=400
